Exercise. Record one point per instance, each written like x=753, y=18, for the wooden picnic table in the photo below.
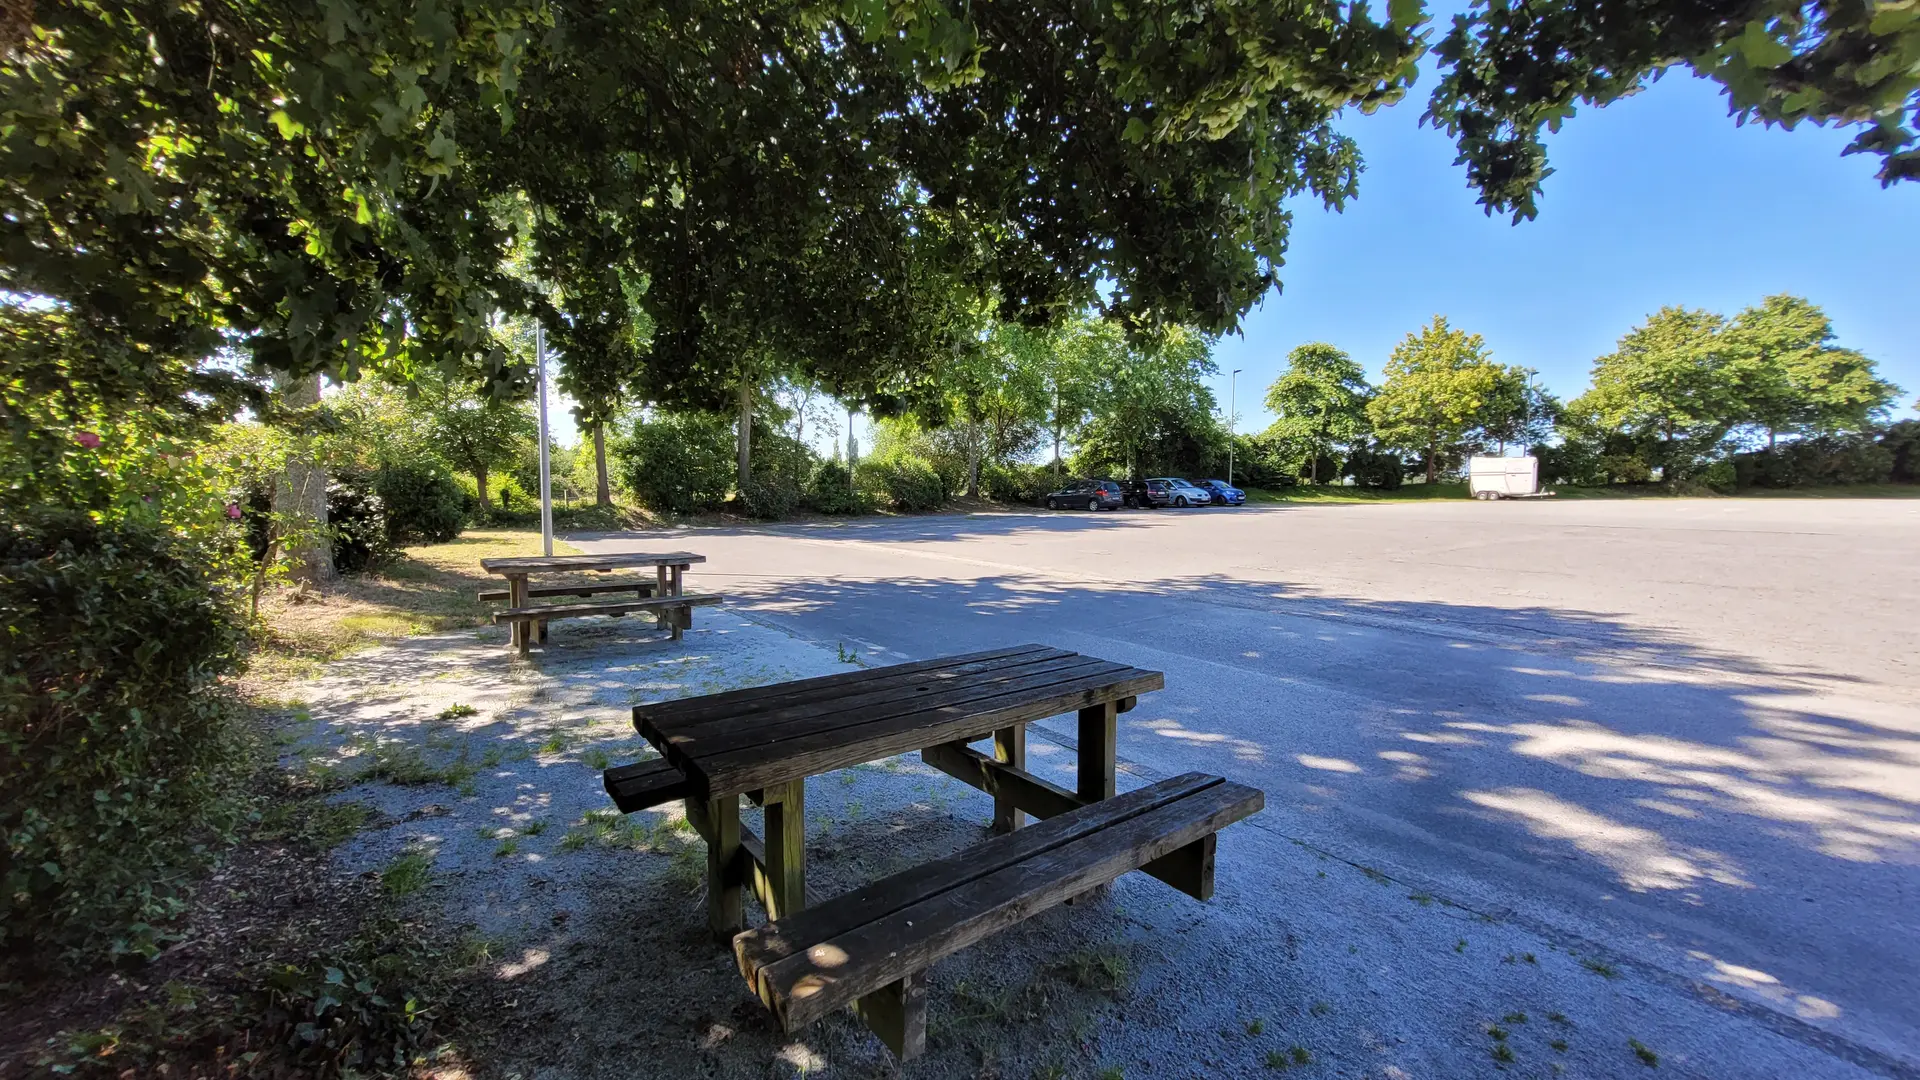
x=870, y=948
x=527, y=624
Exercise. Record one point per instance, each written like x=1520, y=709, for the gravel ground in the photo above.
x=601, y=965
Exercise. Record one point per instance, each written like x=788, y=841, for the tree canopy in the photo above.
x=1319, y=402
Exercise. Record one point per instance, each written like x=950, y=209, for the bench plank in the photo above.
x=644, y=587
x=569, y=611
x=644, y=785
x=824, y=751
x=750, y=699
x=827, y=974
x=769, y=944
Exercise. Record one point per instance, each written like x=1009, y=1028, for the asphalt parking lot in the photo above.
x=1684, y=732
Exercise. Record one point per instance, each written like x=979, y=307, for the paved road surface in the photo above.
x=1687, y=731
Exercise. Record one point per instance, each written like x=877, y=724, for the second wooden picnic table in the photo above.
x=665, y=594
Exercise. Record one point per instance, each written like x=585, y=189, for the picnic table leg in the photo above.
x=1099, y=730
x=663, y=615
x=1009, y=747
x=517, y=598
x=683, y=617
x=787, y=849
x=1098, y=736
x=724, y=915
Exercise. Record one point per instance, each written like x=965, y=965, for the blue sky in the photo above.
x=1658, y=199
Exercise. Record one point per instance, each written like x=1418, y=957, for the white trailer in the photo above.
x=1504, y=477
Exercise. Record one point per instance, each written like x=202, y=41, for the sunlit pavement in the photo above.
x=1686, y=732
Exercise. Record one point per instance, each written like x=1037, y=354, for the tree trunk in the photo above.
x=1771, y=436
x=300, y=497
x=480, y=478
x=1313, y=465
x=1433, y=453
x=602, y=491
x=743, y=438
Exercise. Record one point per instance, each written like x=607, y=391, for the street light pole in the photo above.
x=1233, y=390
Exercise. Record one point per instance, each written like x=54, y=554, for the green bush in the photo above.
x=119, y=751
x=423, y=503
x=1375, y=468
x=678, y=463
x=357, y=522
x=904, y=482
x=1015, y=483
x=1901, y=441
x=1819, y=461
x=772, y=496
x=830, y=490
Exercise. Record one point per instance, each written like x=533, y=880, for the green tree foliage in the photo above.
x=478, y=435
x=1319, y=403
x=1441, y=392
x=1669, y=388
x=1794, y=379
x=1152, y=407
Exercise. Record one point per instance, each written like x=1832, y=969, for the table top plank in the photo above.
x=763, y=716
x=838, y=748
x=754, y=699
x=617, y=560
x=767, y=736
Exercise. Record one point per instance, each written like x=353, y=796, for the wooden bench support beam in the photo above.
x=1190, y=869
x=1010, y=749
x=722, y=818
x=897, y=1012
x=750, y=869
x=645, y=785
x=786, y=853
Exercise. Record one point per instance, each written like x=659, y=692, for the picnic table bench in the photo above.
x=662, y=595
x=870, y=948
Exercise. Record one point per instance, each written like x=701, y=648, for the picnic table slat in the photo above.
x=549, y=564
x=821, y=687
x=768, y=738
x=773, y=712
x=824, y=751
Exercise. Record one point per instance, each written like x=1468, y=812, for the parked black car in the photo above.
x=1088, y=494
x=1146, y=494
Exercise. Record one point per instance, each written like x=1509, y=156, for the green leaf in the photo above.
x=1762, y=49
x=1406, y=14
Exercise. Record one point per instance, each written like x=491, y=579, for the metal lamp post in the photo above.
x=1233, y=388
x=546, y=475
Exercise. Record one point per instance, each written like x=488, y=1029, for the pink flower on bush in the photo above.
x=233, y=511
x=88, y=439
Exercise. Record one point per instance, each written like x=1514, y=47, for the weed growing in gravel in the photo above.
x=315, y=822
x=1600, y=968
x=1647, y=1057
x=1320, y=1008
x=404, y=764
x=455, y=712
x=1102, y=969
x=1503, y=1053
x=1277, y=1059
x=1560, y=1018
x=508, y=846
x=1052, y=1071
x=1496, y=1033
x=1460, y=946
x=1528, y=957
x=1113, y=1072
x=575, y=839
x=556, y=743
x=408, y=873
x=1514, y=1018
x=533, y=828
x=1300, y=1055
x=1559, y=1044
x=596, y=758
x=1423, y=899
x=1255, y=1026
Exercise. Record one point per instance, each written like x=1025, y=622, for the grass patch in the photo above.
x=1329, y=493
x=313, y=821
x=455, y=712
x=1105, y=970
x=1503, y=1053
x=596, y=758
x=402, y=763
x=1514, y=1018
x=1255, y=1026
x=1600, y=968
x=407, y=874
x=1647, y=1057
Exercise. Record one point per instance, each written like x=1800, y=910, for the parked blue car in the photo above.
x=1224, y=494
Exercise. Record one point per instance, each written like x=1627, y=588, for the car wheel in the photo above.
x=1093, y=504
x=1051, y=505
x=1180, y=500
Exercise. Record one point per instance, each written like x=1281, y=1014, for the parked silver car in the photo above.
x=1178, y=492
